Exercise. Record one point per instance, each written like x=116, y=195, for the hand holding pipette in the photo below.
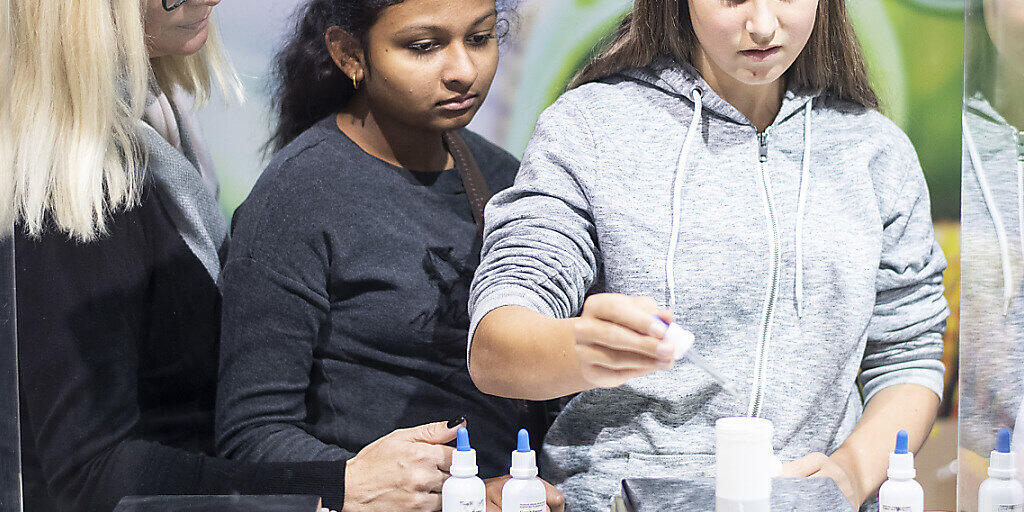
x=615, y=340
x=683, y=340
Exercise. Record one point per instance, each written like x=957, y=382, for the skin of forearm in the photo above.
x=519, y=353
x=865, y=454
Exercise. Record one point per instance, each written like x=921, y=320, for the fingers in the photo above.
x=615, y=360
x=493, y=486
x=556, y=502
x=432, y=433
x=633, y=313
x=444, y=460
x=804, y=466
x=429, y=481
x=428, y=502
x=602, y=333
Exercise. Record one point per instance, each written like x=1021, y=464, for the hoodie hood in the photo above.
x=671, y=77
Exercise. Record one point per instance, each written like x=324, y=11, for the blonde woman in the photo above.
x=117, y=251
x=118, y=235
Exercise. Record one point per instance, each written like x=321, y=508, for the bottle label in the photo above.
x=1010, y=508
x=538, y=506
x=471, y=506
x=895, y=508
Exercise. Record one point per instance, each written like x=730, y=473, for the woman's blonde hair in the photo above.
x=80, y=75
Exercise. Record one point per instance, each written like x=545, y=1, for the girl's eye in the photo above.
x=481, y=39
x=423, y=47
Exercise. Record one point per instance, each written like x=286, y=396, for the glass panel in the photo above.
x=992, y=313
x=10, y=456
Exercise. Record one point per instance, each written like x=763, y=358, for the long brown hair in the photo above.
x=832, y=61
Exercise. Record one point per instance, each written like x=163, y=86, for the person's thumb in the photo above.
x=432, y=433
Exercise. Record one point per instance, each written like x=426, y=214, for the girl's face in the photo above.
x=752, y=41
x=180, y=32
x=430, y=62
x=1004, y=20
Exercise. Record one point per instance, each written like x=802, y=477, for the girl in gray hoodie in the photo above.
x=723, y=165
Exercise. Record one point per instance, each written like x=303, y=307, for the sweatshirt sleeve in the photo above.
x=275, y=304
x=904, y=335
x=540, y=246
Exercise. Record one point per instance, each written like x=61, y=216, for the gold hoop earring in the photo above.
x=355, y=83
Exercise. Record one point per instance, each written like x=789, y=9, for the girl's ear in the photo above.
x=346, y=52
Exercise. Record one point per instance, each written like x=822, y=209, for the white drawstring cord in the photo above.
x=677, y=192
x=997, y=220
x=805, y=175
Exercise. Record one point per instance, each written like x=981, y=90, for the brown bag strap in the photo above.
x=472, y=179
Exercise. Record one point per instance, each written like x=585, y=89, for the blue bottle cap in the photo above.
x=901, y=442
x=523, y=444
x=1003, y=441
x=462, y=440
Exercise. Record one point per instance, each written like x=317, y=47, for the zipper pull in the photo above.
x=762, y=140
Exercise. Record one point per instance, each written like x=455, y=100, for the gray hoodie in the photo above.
x=800, y=259
x=991, y=274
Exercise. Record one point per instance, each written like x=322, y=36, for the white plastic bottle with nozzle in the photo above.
x=463, y=491
x=1001, y=492
x=901, y=493
x=524, y=492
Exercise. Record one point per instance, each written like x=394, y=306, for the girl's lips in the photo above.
x=456, y=105
x=761, y=55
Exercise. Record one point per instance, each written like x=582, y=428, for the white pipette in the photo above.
x=683, y=342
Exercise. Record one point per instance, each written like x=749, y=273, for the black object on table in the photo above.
x=698, y=495
x=269, y=503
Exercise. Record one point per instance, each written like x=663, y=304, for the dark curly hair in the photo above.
x=308, y=85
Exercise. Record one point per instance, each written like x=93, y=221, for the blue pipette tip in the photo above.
x=1003, y=441
x=901, y=442
x=523, y=441
x=462, y=440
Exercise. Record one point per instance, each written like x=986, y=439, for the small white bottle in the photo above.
x=524, y=492
x=901, y=493
x=1001, y=492
x=463, y=491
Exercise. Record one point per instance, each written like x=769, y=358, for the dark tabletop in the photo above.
x=698, y=495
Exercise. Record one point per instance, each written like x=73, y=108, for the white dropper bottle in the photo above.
x=1001, y=492
x=524, y=492
x=901, y=493
x=463, y=491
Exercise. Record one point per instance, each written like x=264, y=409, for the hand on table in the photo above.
x=556, y=502
x=617, y=339
x=819, y=465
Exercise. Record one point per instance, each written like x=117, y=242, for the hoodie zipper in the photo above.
x=760, y=364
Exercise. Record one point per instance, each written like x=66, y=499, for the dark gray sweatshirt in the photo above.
x=345, y=313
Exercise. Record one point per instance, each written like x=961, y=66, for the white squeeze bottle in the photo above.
x=524, y=492
x=1001, y=492
x=901, y=493
x=463, y=491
